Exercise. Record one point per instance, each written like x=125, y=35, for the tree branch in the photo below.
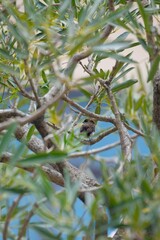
x=126, y=143
x=53, y=175
x=26, y=222
x=36, y=145
x=9, y=215
x=78, y=57
x=99, y=137
x=87, y=113
x=22, y=90
x=50, y=99
x=156, y=100
x=86, y=107
x=94, y=151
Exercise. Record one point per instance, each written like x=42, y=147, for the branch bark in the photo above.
x=36, y=145
x=88, y=113
x=47, y=101
x=126, y=143
x=156, y=100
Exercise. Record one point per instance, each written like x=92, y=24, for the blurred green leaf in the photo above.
x=114, y=46
x=121, y=75
x=146, y=188
x=38, y=41
x=41, y=158
x=18, y=154
x=98, y=108
x=44, y=77
x=8, y=69
x=5, y=54
x=44, y=232
x=15, y=190
x=30, y=133
x=154, y=69
x=124, y=85
x=12, y=83
x=144, y=15
x=85, y=92
x=7, y=138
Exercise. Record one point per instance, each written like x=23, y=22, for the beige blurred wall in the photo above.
x=139, y=54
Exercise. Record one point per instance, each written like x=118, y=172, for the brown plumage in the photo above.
x=88, y=127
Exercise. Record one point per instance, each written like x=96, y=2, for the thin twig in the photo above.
x=32, y=84
x=56, y=4
x=108, y=29
x=112, y=74
x=88, y=113
x=36, y=145
x=51, y=173
x=100, y=137
x=9, y=215
x=126, y=143
x=52, y=125
x=75, y=59
x=90, y=72
x=86, y=69
x=22, y=90
x=35, y=92
x=94, y=151
x=86, y=107
x=134, y=130
x=30, y=118
x=27, y=219
x=9, y=113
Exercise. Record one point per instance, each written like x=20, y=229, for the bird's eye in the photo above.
x=86, y=120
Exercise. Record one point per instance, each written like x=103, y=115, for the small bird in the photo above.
x=88, y=127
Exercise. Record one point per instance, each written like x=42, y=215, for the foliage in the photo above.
x=44, y=102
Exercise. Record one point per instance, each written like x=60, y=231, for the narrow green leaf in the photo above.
x=45, y=184
x=121, y=23
x=85, y=92
x=52, y=157
x=12, y=83
x=144, y=15
x=74, y=7
x=6, y=54
x=7, y=138
x=122, y=36
x=82, y=15
x=146, y=188
x=15, y=190
x=121, y=58
x=93, y=8
x=18, y=154
x=123, y=73
x=114, y=46
x=16, y=32
x=154, y=69
x=138, y=104
x=8, y=69
x=30, y=133
x=98, y=109
x=124, y=85
x=44, y=76
x=44, y=232
x=117, y=14
x=64, y=6
x=97, y=74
